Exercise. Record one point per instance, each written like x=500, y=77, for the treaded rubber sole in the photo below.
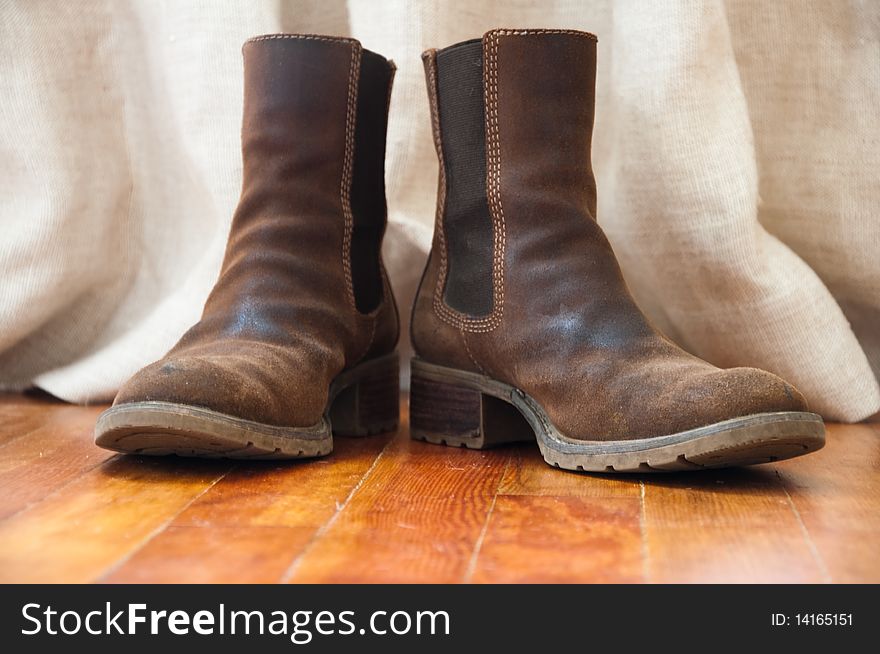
x=362, y=401
x=464, y=409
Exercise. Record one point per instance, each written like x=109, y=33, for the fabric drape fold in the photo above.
x=736, y=152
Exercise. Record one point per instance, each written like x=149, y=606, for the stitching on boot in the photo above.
x=302, y=37
x=490, y=82
x=373, y=317
x=440, y=308
x=366, y=349
x=532, y=32
x=493, y=162
x=348, y=166
x=467, y=348
x=493, y=180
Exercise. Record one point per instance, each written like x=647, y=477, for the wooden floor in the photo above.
x=386, y=509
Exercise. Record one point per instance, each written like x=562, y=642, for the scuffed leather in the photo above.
x=571, y=335
x=280, y=323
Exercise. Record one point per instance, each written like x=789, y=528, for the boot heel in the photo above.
x=450, y=412
x=369, y=402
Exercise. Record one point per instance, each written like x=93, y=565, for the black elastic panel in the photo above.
x=368, y=180
x=467, y=221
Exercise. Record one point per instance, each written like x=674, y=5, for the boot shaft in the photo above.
x=513, y=119
x=552, y=276
x=313, y=146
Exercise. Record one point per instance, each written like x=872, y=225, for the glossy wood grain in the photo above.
x=46, y=457
x=83, y=528
x=725, y=526
x=417, y=518
x=252, y=524
x=561, y=539
x=385, y=509
x=837, y=498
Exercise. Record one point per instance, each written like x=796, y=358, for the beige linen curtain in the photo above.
x=737, y=151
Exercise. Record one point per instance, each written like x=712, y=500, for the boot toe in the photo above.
x=219, y=384
x=738, y=392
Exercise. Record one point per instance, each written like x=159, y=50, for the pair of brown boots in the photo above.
x=523, y=326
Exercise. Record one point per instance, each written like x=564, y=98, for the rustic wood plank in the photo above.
x=218, y=554
x=732, y=498
x=849, y=556
x=725, y=526
x=529, y=474
x=251, y=525
x=47, y=458
x=421, y=513
x=417, y=518
x=11, y=403
x=838, y=488
x=22, y=414
x=836, y=493
x=730, y=555
x=87, y=526
x=561, y=540
x=291, y=494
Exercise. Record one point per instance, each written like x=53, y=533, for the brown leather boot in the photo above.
x=522, y=311
x=299, y=331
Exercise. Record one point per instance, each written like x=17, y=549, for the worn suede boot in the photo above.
x=523, y=325
x=298, y=335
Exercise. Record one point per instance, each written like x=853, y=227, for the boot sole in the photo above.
x=463, y=409
x=362, y=401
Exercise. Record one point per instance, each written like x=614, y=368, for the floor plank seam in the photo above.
x=16, y=439
x=643, y=530
x=323, y=529
x=811, y=545
x=478, y=544
x=33, y=505
x=30, y=432
x=112, y=568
